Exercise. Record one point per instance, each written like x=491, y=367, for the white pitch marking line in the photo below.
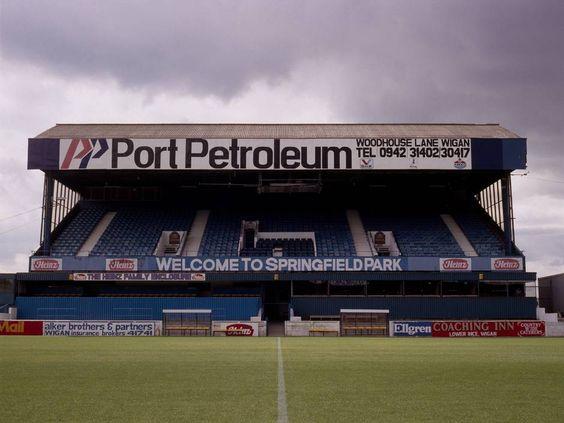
x=282, y=406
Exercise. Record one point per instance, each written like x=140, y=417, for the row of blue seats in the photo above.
x=332, y=234
x=416, y=235
x=487, y=241
x=135, y=230
x=75, y=233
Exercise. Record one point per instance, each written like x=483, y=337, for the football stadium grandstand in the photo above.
x=275, y=221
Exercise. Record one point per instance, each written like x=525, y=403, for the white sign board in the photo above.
x=266, y=154
x=101, y=328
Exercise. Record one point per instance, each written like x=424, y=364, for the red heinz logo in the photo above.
x=239, y=329
x=506, y=264
x=121, y=265
x=455, y=264
x=46, y=264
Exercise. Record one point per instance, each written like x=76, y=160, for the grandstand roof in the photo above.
x=277, y=130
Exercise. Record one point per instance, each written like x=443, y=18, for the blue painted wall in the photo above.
x=132, y=308
x=423, y=308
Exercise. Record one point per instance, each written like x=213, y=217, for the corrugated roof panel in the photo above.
x=269, y=131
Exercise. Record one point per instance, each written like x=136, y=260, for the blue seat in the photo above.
x=417, y=234
x=332, y=234
x=136, y=229
x=486, y=239
x=75, y=232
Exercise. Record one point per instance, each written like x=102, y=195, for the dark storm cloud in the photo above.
x=408, y=61
x=470, y=61
x=202, y=47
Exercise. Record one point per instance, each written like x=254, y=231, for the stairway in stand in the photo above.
x=276, y=329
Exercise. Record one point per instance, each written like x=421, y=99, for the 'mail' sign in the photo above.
x=21, y=327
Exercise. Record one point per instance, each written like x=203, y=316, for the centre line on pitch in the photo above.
x=282, y=406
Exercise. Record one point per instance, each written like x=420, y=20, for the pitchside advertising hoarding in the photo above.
x=466, y=328
x=101, y=328
x=113, y=328
x=21, y=327
x=453, y=329
x=410, y=328
x=199, y=265
x=235, y=328
x=441, y=329
x=80, y=327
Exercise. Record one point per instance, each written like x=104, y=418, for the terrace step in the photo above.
x=459, y=236
x=192, y=245
x=358, y=233
x=96, y=234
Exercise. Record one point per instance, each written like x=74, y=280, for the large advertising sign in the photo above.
x=492, y=328
x=411, y=328
x=152, y=268
x=21, y=327
x=80, y=328
x=101, y=328
x=277, y=154
x=468, y=328
x=280, y=264
x=265, y=154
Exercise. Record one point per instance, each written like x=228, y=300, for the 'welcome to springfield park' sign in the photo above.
x=265, y=154
x=273, y=264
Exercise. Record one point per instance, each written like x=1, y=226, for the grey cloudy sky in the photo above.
x=286, y=61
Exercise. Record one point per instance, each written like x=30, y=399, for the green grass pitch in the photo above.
x=326, y=380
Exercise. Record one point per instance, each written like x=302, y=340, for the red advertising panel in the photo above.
x=456, y=264
x=45, y=264
x=121, y=264
x=452, y=329
x=21, y=327
x=239, y=329
x=507, y=264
